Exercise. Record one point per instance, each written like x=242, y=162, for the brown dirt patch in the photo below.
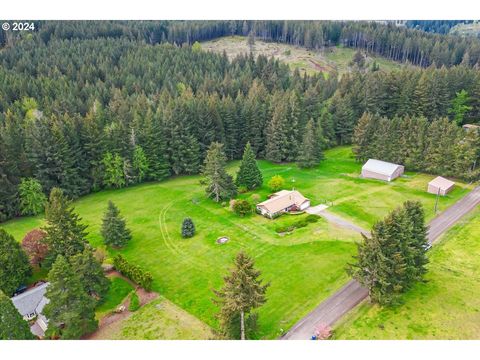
x=113, y=320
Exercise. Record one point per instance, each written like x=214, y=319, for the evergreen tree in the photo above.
x=155, y=149
x=343, y=118
x=220, y=183
x=114, y=229
x=277, y=137
x=249, y=174
x=140, y=164
x=393, y=258
x=71, y=311
x=12, y=325
x=188, y=228
x=241, y=293
x=311, y=150
x=419, y=241
x=91, y=274
x=32, y=199
x=65, y=233
x=114, y=175
x=460, y=107
x=15, y=268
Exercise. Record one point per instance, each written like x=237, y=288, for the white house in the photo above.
x=30, y=305
x=283, y=201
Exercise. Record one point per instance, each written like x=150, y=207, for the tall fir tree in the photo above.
x=15, y=268
x=155, y=148
x=220, y=183
x=393, y=258
x=311, y=149
x=66, y=234
x=140, y=164
x=249, y=175
x=12, y=325
x=242, y=292
x=114, y=229
x=91, y=274
x=71, y=311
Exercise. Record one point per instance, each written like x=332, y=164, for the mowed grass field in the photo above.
x=310, y=61
x=447, y=306
x=303, y=268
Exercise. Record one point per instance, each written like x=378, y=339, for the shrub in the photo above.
x=133, y=272
x=242, y=189
x=276, y=183
x=134, y=302
x=311, y=218
x=255, y=198
x=188, y=228
x=284, y=229
x=242, y=207
x=300, y=223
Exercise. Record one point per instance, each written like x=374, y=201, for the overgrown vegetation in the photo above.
x=133, y=272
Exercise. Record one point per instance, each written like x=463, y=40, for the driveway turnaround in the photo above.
x=349, y=296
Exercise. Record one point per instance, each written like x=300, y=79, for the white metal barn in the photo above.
x=381, y=170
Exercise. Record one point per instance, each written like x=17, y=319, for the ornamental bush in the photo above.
x=242, y=207
x=188, y=228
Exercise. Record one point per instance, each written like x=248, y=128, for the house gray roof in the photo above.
x=31, y=300
x=380, y=167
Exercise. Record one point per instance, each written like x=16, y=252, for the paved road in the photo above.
x=349, y=296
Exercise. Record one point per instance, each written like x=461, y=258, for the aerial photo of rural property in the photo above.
x=240, y=180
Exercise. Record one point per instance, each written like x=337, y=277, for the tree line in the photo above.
x=84, y=114
x=422, y=47
x=139, y=121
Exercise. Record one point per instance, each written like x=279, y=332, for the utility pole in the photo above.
x=436, y=200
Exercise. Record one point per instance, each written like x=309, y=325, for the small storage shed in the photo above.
x=381, y=170
x=440, y=186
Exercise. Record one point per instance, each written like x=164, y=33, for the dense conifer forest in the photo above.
x=92, y=105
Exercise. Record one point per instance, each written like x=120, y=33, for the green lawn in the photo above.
x=118, y=291
x=447, y=306
x=158, y=320
x=303, y=267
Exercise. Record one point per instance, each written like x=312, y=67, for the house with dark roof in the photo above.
x=30, y=305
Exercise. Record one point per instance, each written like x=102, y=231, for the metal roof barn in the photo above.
x=381, y=170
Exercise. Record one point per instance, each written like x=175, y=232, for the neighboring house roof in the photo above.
x=31, y=300
x=283, y=199
x=442, y=183
x=380, y=167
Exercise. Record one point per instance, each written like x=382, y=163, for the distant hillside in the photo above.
x=329, y=60
x=472, y=29
x=435, y=26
